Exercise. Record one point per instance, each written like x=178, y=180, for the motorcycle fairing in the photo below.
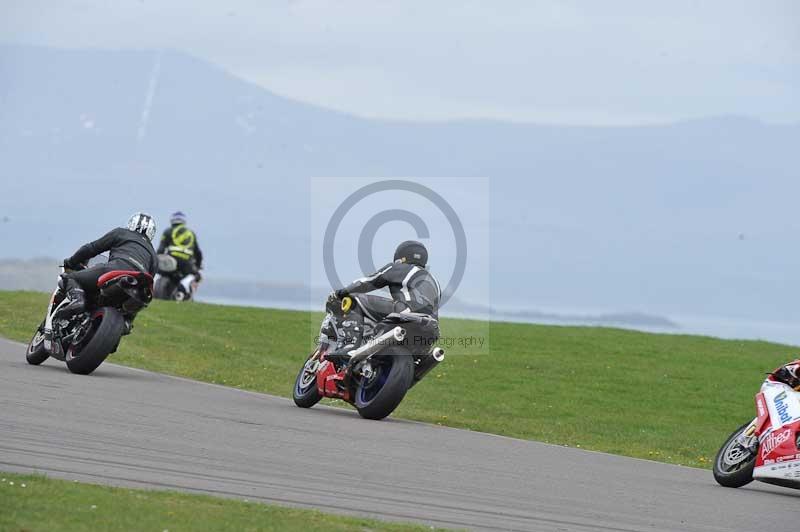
x=328, y=380
x=778, y=458
x=763, y=412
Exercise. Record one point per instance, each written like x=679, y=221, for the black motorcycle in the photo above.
x=169, y=283
x=84, y=340
x=395, y=353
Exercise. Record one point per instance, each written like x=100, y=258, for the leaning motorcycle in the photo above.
x=170, y=283
x=766, y=449
x=395, y=353
x=84, y=340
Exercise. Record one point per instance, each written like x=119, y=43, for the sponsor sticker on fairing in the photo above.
x=782, y=407
x=774, y=440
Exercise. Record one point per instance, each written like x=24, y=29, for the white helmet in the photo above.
x=143, y=223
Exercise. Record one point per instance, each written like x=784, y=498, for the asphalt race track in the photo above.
x=128, y=427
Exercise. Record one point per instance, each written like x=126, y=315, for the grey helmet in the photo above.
x=143, y=223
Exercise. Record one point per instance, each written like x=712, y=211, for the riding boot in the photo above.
x=186, y=282
x=341, y=355
x=76, y=305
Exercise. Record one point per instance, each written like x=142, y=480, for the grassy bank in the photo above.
x=33, y=503
x=664, y=397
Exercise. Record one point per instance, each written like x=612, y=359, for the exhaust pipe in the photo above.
x=427, y=364
x=395, y=336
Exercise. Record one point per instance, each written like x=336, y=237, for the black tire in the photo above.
x=101, y=340
x=36, y=353
x=377, y=397
x=305, y=392
x=740, y=473
x=163, y=288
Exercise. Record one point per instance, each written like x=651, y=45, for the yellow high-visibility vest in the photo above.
x=182, y=246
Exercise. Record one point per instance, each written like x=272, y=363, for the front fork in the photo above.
x=312, y=364
x=52, y=309
x=747, y=438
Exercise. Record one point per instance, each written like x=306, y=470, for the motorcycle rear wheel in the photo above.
x=36, y=353
x=97, y=343
x=731, y=468
x=377, y=397
x=163, y=288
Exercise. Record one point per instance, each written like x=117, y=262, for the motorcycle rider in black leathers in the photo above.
x=129, y=249
x=413, y=288
x=180, y=242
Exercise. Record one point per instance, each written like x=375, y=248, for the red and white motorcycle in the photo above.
x=767, y=448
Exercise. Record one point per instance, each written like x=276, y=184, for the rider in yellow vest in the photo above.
x=180, y=242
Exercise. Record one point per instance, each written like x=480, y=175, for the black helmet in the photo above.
x=412, y=252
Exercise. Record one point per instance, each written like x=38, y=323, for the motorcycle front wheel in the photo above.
x=733, y=465
x=393, y=372
x=305, y=392
x=36, y=353
x=94, y=344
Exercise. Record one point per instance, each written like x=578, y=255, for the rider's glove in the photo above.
x=69, y=265
x=340, y=293
x=332, y=298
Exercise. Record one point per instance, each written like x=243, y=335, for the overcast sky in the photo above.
x=576, y=62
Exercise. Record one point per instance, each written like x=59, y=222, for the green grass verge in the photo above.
x=664, y=397
x=33, y=503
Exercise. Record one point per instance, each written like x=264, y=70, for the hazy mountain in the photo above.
x=695, y=217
